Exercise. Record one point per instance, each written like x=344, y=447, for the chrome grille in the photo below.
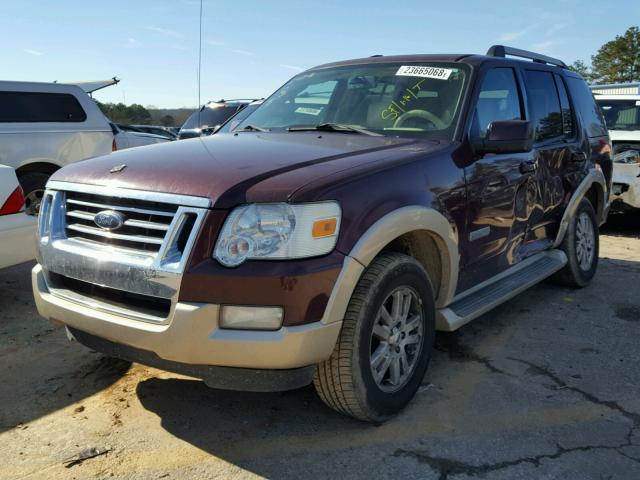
x=132, y=270
x=145, y=226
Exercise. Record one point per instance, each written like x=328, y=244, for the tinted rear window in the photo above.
x=210, y=117
x=585, y=103
x=544, y=104
x=29, y=107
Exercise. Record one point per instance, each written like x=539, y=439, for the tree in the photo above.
x=618, y=61
x=167, y=121
x=583, y=69
x=125, y=114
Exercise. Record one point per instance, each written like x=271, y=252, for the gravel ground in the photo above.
x=546, y=386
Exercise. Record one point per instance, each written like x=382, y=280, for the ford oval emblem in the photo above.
x=109, y=219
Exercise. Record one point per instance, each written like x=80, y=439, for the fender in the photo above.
x=595, y=176
x=381, y=233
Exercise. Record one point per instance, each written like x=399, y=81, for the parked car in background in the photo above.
x=44, y=126
x=17, y=229
x=157, y=130
x=210, y=116
x=622, y=114
x=126, y=136
x=232, y=123
x=361, y=207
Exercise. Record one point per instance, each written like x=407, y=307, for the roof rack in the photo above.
x=225, y=100
x=503, y=51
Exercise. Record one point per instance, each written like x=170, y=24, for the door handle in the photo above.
x=528, y=166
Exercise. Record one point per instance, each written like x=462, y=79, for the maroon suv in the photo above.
x=363, y=206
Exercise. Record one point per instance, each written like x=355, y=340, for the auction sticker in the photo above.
x=424, y=72
x=308, y=110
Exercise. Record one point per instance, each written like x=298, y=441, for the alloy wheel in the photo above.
x=396, y=340
x=585, y=241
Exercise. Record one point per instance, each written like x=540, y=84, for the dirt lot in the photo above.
x=546, y=386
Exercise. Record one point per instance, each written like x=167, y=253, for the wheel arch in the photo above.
x=594, y=188
x=39, y=167
x=421, y=232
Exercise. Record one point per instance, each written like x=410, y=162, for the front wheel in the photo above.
x=581, y=244
x=385, y=344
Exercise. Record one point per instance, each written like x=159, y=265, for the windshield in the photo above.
x=210, y=116
x=390, y=99
x=621, y=114
x=233, y=122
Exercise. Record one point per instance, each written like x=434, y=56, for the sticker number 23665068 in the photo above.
x=425, y=72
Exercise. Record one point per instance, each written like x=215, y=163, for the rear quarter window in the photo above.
x=30, y=107
x=587, y=107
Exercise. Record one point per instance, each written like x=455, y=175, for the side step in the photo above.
x=491, y=293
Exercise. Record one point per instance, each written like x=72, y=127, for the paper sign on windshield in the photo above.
x=424, y=72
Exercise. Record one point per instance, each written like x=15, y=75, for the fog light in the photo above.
x=251, y=318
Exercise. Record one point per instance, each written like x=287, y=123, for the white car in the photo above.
x=17, y=229
x=129, y=137
x=622, y=114
x=45, y=126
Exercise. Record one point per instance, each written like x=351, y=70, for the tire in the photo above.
x=345, y=382
x=33, y=185
x=581, y=244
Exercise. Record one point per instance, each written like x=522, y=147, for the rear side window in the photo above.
x=587, y=106
x=544, y=105
x=567, y=113
x=498, y=100
x=29, y=107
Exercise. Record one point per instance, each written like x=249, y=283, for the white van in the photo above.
x=44, y=126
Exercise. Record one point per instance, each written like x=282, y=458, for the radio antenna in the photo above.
x=199, y=66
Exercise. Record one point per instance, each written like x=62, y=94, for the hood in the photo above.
x=223, y=167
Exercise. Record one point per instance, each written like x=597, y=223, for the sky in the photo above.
x=250, y=47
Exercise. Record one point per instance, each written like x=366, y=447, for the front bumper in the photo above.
x=191, y=335
x=626, y=184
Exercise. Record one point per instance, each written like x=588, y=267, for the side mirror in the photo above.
x=505, y=136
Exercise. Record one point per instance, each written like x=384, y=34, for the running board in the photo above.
x=491, y=293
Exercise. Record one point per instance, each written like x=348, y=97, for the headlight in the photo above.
x=278, y=231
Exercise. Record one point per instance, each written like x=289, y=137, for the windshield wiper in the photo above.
x=333, y=127
x=252, y=128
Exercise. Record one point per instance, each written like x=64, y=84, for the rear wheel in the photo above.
x=33, y=184
x=581, y=244
x=385, y=344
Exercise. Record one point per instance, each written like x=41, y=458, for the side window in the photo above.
x=544, y=104
x=585, y=104
x=567, y=112
x=498, y=100
x=29, y=107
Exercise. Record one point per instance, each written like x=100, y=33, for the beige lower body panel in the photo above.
x=193, y=336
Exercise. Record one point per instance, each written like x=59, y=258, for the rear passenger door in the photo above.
x=497, y=185
x=557, y=155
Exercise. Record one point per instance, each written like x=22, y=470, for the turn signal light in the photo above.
x=14, y=204
x=325, y=227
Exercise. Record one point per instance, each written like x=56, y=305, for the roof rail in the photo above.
x=224, y=100
x=503, y=51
